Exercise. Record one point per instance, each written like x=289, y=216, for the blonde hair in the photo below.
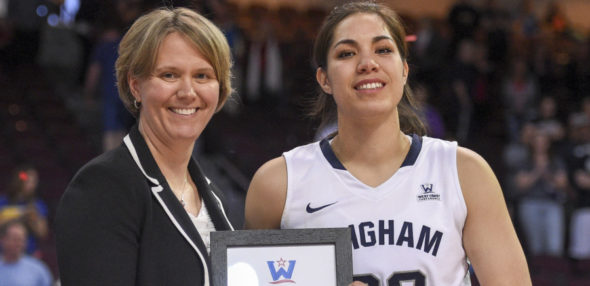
x=139, y=47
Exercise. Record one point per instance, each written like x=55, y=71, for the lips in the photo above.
x=184, y=111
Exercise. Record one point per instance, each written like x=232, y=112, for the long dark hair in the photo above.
x=323, y=105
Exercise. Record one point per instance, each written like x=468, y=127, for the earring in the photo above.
x=136, y=104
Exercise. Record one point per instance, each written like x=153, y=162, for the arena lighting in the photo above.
x=68, y=11
x=22, y=175
x=411, y=38
x=42, y=10
x=53, y=20
x=66, y=16
x=13, y=109
x=20, y=126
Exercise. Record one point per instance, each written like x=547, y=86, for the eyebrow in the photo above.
x=175, y=69
x=164, y=68
x=354, y=43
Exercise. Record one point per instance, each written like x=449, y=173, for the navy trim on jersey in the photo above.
x=330, y=156
x=414, y=151
x=408, y=161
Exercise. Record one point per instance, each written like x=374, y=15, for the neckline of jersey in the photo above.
x=410, y=159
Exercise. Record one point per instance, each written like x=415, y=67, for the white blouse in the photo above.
x=204, y=225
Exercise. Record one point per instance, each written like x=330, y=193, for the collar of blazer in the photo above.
x=161, y=190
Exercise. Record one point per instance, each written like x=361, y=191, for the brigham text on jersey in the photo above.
x=367, y=234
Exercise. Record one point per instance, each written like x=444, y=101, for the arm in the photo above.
x=559, y=179
x=525, y=178
x=266, y=196
x=98, y=226
x=488, y=235
x=36, y=221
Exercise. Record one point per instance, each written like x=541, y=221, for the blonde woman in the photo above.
x=142, y=213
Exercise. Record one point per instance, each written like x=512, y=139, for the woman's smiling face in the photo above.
x=181, y=94
x=365, y=72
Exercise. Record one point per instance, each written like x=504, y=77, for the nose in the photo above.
x=367, y=64
x=186, y=89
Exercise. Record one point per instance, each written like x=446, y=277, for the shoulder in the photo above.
x=109, y=178
x=112, y=167
x=435, y=146
x=266, y=195
x=41, y=206
x=477, y=179
x=468, y=159
x=304, y=151
x=35, y=265
x=271, y=173
x=472, y=167
x=108, y=193
x=433, y=149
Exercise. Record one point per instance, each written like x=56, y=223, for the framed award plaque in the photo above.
x=312, y=256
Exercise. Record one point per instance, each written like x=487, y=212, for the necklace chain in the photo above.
x=182, y=202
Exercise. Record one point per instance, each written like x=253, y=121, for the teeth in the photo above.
x=372, y=85
x=184, y=111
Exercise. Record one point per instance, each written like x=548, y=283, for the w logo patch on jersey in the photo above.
x=427, y=188
x=427, y=193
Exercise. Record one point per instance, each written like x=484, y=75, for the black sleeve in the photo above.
x=98, y=224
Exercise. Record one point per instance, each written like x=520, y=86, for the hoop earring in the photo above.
x=136, y=104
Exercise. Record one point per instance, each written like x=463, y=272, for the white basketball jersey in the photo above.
x=408, y=229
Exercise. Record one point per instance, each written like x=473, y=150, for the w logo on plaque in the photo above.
x=279, y=271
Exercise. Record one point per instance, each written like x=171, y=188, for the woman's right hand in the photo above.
x=357, y=283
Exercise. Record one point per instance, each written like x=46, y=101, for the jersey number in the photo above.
x=395, y=279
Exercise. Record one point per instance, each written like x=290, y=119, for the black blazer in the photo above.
x=118, y=223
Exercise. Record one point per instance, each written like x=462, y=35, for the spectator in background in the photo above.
x=264, y=71
x=542, y=183
x=435, y=127
x=463, y=75
x=495, y=21
x=26, y=28
x=543, y=65
x=101, y=73
x=17, y=268
x=547, y=121
x=223, y=13
x=578, y=165
x=464, y=20
x=20, y=202
x=516, y=153
x=525, y=28
x=555, y=19
x=519, y=92
x=428, y=53
x=526, y=20
x=580, y=75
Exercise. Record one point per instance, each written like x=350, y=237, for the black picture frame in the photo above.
x=221, y=241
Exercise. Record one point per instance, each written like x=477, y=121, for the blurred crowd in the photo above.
x=513, y=85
